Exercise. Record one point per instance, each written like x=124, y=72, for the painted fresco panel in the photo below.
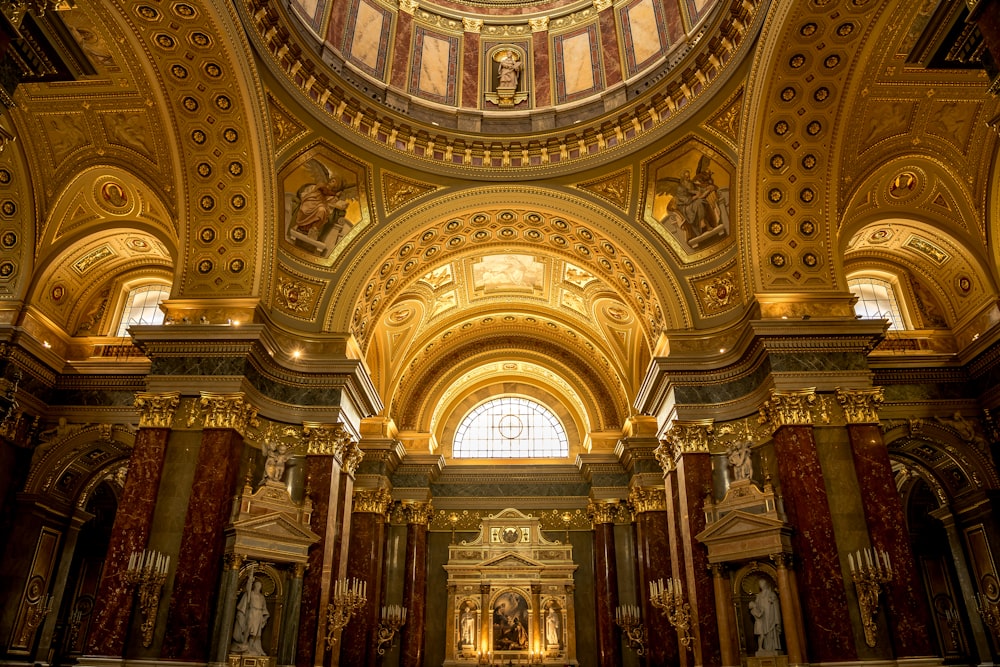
x=368, y=31
x=435, y=66
x=577, y=61
x=645, y=34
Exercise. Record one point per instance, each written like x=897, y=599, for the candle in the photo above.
x=850, y=560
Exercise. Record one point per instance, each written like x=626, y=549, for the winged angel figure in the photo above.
x=696, y=206
x=317, y=210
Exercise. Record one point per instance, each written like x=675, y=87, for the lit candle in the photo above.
x=850, y=560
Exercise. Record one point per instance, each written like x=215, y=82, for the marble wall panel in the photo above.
x=400, y=66
x=367, y=37
x=470, y=70
x=434, y=72
x=576, y=60
x=540, y=64
x=886, y=521
x=644, y=32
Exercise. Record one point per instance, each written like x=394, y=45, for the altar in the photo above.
x=510, y=596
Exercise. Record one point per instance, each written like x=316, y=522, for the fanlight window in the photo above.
x=876, y=300
x=142, y=307
x=508, y=428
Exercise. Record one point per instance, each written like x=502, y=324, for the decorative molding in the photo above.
x=157, y=410
x=647, y=499
x=417, y=512
x=860, y=405
x=376, y=501
x=789, y=408
x=472, y=25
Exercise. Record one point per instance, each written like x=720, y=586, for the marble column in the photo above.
x=366, y=560
x=649, y=506
x=689, y=443
x=210, y=507
x=665, y=456
x=418, y=516
x=829, y=634
x=542, y=78
x=326, y=444
x=886, y=520
x=486, y=619
x=724, y=612
x=791, y=610
x=470, y=63
x=602, y=515
x=536, y=618
x=611, y=53
x=133, y=520
x=225, y=615
x=399, y=68
x=290, y=621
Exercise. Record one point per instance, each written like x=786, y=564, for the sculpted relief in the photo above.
x=687, y=198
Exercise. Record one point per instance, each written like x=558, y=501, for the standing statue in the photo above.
x=552, y=628
x=468, y=626
x=766, y=611
x=274, y=465
x=739, y=458
x=509, y=70
x=251, y=617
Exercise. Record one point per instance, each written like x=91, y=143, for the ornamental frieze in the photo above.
x=157, y=410
x=860, y=405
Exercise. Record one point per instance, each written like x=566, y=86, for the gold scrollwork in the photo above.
x=689, y=437
x=860, y=405
x=647, y=499
x=372, y=500
x=602, y=511
x=789, y=408
x=326, y=439
x=157, y=410
x=226, y=411
x=418, y=512
x=665, y=456
x=352, y=457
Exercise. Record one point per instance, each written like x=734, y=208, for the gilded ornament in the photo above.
x=418, y=512
x=226, y=411
x=408, y=6
x=601, y=5
x=789, y=408
x=540, y=24
x=665, y=456
x=157, y=410
x=860, y=405
x=352, y=457
x=689, y=437
x=472, y=25
x=375, y=501
x=293, y=295
x=602, y=511
x=325, y=439
x=647, y=499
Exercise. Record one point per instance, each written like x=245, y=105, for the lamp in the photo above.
x=627, y=618
x=392, y=619
x=147, y=570
x=348, y=597
x=870, y=569
x=670, y=600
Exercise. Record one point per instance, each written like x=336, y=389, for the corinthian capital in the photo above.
x=418, y=512
x=227, y=411
x=665, y=456
x=540, y=24
x=325, y=439
x=860, y=405
x=602, y=511
x=157, y=410
x=352, y=457
x=647, y=499
x=789, y=408
x=375, y=501
x=472, y=25
x=689, y=437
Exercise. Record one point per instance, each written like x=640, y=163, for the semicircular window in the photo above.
x=510, y=427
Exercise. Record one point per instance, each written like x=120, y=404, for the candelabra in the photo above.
x=870, y=570
x=36, y=614
x=348, y=598
x=392, y=619
x=990, y=611
x=670, y=600
x=628, y=619
x=147, y=570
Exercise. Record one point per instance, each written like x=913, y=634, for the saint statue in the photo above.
x=468, y=626
x=766, y=611
x=251, y=617
x=552, y=628
x=509, y=71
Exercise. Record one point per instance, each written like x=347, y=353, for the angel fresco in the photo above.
x=696, y=210
x=317, y=210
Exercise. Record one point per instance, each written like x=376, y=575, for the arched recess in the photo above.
x=945, y=476
x=382, y=264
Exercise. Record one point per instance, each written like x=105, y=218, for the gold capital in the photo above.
x=689, y=437
x=472, y=25
x=540, y=24
x=789, y=408
x=860, y=405
x=417, y=512
x=157, y=410
x=375, y=501
x=325, y=439
x=352, y=457
x=647, y=499
x=408, y=6
x=227, y=411
x=601, y=5
x=665, y=456
x=602, y=511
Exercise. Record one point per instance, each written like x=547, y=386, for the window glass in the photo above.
x=142, y=307
x=876, y=300
x=510, y=427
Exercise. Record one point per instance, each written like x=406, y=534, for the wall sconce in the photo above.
x=670, y=600
x=628, y=619
x=348, y=598
x=869, y=573
x=393, y=618
x=147, y=570
x=990, y=612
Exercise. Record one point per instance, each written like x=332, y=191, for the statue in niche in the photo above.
x=508, y=70
x=739, y=458
x=552, y=629
x=251, y=617
x=274, y=465
x=766, y=611
x=467, y=625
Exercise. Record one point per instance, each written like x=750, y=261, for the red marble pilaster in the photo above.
x=470, y=70
x=677, y=556
x=399, y=68
x=415, y=584
x=694, y=476
x=322, y=481
x=199, y=562
x=602, y=515
x=886, y=521
x=365, y=562
x=653, y=547
x=609, y=47
x=824, y=600
x=540, y=69
x=130, y=533
x=335, y=28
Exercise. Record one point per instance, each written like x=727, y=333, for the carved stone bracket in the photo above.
x=225, y=411
x=602, y=511
x=418, y=512
x=157, y=410
x=325, y=439
x=375, y=501
x=647, y=499
x=789, y=408
x=860, y=405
